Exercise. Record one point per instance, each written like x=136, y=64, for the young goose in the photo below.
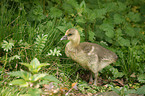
x=90, y=56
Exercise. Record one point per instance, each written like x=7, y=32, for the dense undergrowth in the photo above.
x=32, y=29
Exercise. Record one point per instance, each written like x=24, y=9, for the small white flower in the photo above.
x=55, y=52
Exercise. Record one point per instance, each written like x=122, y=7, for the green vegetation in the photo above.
x=32, y=29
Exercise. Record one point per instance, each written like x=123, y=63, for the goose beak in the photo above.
x=64, y=37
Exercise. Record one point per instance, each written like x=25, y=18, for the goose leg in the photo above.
x=91, y=78
x=96, y=81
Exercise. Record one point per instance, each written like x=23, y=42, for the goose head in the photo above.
x=73, y=36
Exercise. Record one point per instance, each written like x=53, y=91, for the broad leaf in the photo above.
x=110, y=33
x=141, y=78
x=23, y=74
x=37, y=77
x=14, y=57
x=19, y=82
x=118, y=19
x=51, y=78
x=27, y=65
x=15, y=73
x=141, y=90
x=26, y=75
x=55, y=12
x=130, y=31
x=121, y=6
x=34, y=91
x=134, y=16
x=42, y=65
x=123, y=42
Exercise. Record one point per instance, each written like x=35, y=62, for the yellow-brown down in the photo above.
x=90, y=56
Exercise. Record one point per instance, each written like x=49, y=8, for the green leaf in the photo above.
x=36, y=13
x=68, y=8
x=19, y=82
x=42, y=65
x=80, y=19
x=27, y=65
x=118, y=19
x=130, y=31
x=34, y=91
x=14, y=57
x=55, y=12
x=37, y=77
x=134, y=16
x=40, y=43
x=116, y=90
x=23, y=74
x=108, y=28
x=100, y=13
x=141, y=78
x=119, y=32
x=123, y=42
x=110, y=33
x=35, y=63
x=121, y=6
x=15, y=73
x=110, y=6
x=51, y=78
x=115, y=72
x=61, y=28
x=7, y=45
x=141, y=90
x=91, y=36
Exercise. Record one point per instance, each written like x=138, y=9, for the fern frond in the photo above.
x=40, y=43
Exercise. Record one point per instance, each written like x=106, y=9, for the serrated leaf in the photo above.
x=108, y=28
x=51, y=78
x=118, y=19
x=91, y=15
x=91, y=36
x=36, y=77
x=27, y=65
x=110, y=33
x=141, y=78
x=14, y=57
x=100, y=13
x=115, y=72
x=80, y=19
x=19, y=82
x=61, y=28
x=130, y=31
x=119, y=32
x=34, y=91
x=67, y=8
x=134, y=16
x=23, y=74
x=35, y=63
x=42, y=65
x=110, y=6
x=141, y=90
x=121, y=6
x=55, y=12
x=15, y=73
x=123, y=42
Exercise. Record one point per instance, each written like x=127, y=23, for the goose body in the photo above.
x=90, y=56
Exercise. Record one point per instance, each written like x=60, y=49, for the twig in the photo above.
x=13, y=21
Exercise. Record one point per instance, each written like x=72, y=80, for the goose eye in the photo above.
x=69, y=34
